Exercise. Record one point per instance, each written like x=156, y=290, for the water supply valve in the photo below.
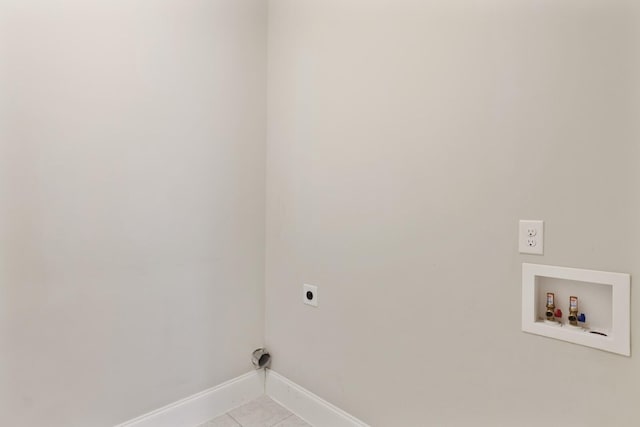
x=550, y=314
x=573, y=311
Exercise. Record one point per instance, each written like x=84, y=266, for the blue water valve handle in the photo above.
x=582, y=318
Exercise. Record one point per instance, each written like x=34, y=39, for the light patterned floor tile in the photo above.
x=293, y=421
x=262, y=412
x=222, y=421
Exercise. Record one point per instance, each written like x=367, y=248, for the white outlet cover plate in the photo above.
x=531, y=237
x=313, y=289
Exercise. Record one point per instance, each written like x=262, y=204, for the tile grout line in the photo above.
x=284, y=419
x=236, y=421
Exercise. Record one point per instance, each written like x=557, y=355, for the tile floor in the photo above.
x=262, y=412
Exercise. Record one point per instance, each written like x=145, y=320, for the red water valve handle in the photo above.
x=558, y=313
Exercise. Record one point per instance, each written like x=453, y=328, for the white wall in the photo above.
x=406, y=138
x=401, y=134
x=131, y=204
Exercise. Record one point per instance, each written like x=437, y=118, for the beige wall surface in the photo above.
x=131, y=204
x=405, y=140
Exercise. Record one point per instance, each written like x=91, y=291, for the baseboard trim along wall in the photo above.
x=201, y=407
x=313, y=409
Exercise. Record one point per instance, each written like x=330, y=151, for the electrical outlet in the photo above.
x=531, y=237
x=310, y=295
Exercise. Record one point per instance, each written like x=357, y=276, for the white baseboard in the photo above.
x=201, y=407
x=306, y=405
